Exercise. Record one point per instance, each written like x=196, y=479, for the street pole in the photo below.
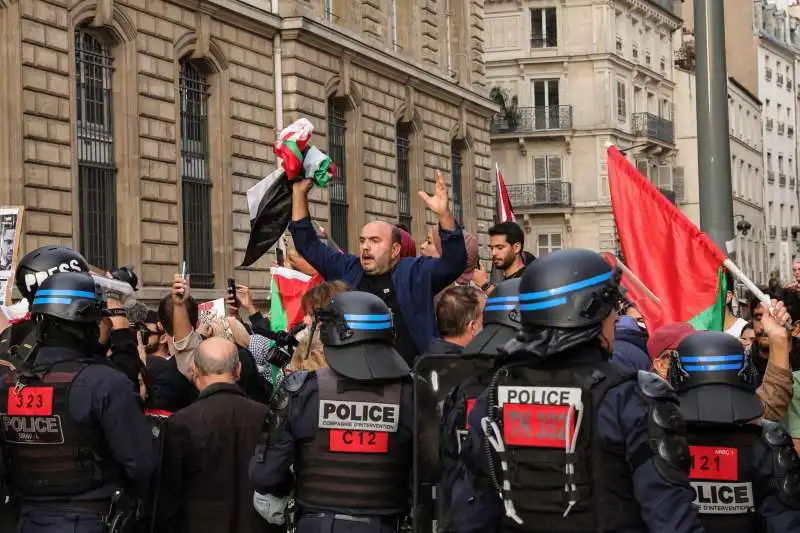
x=713, y=148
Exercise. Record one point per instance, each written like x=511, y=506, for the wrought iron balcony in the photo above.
x=653, y=126
x=533, y=120
x=782, y=179
x=770, y=176
x=549, y=194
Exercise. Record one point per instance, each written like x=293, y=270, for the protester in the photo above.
x=205, y=488
x=407, y=246
x=470, y=243
x=748, y=336
x=630, y=345
x=794, y=285
x=507, y=243
x=733, y=324
x=407, y=285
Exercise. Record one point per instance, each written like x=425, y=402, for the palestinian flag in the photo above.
x=668, y=253
x=270, y=205
x=287, y=290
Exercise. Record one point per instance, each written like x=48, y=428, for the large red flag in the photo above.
x=505, y=213
x=667, y=252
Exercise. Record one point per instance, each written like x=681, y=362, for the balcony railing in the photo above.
x=549, y=194
x=546, y=40
x=773, y=232
x=782, y=179
x=784, y=234
x=653, y=126
x=770, y=176
x=533, y=119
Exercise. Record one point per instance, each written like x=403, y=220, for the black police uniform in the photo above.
x=562, y=441
x=346, y=429
x=501, y=323
x=744, y=470
x=18, y=339
x=73, y=431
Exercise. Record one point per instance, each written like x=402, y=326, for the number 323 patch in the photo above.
x=30, y=401
x=353, y=441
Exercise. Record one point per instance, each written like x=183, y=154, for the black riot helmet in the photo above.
x=69, y=297
x=45, y=261
x=501, y=320
x=568, y=289
x=357, y=331
x=715, y=380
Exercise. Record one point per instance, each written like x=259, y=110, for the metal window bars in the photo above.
x=337, y=147
x=457, y=168
x=403, y=174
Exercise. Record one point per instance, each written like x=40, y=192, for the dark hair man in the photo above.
x=507, y=243
x=459, y=316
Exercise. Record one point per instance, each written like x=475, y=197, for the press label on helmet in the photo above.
x=713, y=497
x=33, y=429
x=37, y=278
x=363, y=416
x=349, y=441
x=30, y=401
x=539, y=395
x=538, y=426
x=714, y=462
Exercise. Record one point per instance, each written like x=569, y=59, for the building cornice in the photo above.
x=778, y=46
x=242, y=15
x=332, y=40
x=653, y=11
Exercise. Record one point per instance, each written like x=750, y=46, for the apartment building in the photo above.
x=132, y=129
x=747, y=166
x=572, y=76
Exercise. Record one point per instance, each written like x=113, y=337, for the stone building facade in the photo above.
x=132, y=129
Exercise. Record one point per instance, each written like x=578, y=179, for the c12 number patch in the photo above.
x=352, y=441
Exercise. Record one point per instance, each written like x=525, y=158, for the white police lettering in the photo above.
x=720, y=497
x=33, y=429
x=32, y=280
x=362, y=416
x=539, y=395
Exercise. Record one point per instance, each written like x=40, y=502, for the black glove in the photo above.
x=285, y=338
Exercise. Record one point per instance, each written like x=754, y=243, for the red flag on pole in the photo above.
x=668, y=253
x=504, y=211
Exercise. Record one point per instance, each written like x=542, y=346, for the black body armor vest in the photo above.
x=722, y=477
x=538, y=412
x=49, y=455
x=357, y=459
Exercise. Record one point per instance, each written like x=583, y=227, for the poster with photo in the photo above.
x=10, y=231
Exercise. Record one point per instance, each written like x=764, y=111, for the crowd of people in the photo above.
x=418, y=393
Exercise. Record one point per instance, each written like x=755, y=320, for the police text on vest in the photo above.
x=33, y=429
x=363, y=416
x=539, y=395
x=714, y=497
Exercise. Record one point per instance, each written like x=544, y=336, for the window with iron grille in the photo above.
x=403, y=174
x=97, y=171
x=457, y=164
x=337, y=147
x=195, y=176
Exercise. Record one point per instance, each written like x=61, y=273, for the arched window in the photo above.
x=195, y=178
x=337, y=148
x=403, y=135
x=96, y=166
x=456, y=162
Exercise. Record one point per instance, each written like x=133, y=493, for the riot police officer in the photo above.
x=347, y=429
x=74, y=434
x=17, y=340
x=501, y=322
x=744, y=470
x=561, y=440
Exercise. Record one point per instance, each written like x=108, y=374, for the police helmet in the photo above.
x=45, y=261
x=69, y=296
x=571, y=288
x=501, y=319
x=357, y=332
x=715, y=380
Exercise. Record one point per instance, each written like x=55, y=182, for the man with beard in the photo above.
x=506, y=242
x=406, y=284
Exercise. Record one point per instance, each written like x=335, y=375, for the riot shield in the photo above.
x=437, y=440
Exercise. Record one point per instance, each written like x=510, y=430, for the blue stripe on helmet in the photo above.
x=369, y=325
x=543, y=305
x=502, y=299
x=712, y=358
x=38, y=301
x=64, y=292
x=712, y=368
x=572, y=287
x=508, y=307
x=367, y=318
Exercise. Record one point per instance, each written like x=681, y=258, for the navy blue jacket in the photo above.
x=103, y=396
x=416, y=279
x=630, y=346
x=621, y=422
